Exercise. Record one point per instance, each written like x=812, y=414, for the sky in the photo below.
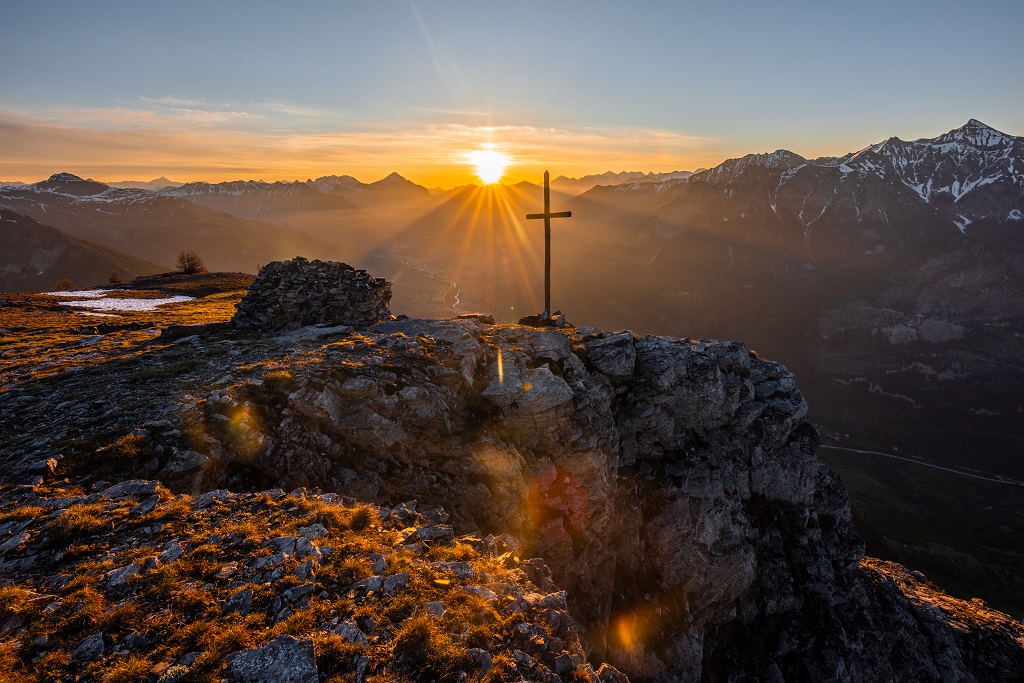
x=278, y=91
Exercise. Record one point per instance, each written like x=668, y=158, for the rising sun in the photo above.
x=490, y=165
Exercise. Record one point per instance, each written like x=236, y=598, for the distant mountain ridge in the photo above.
x=255, y=198
x=156, y=227
x=155, y=184
x=36, y=256
x=587, y=182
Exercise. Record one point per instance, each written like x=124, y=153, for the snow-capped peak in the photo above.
x=975, y=133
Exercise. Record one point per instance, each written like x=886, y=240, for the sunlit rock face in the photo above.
x=291, y=294
x=670, y=484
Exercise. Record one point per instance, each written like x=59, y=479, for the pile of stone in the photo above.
x=291, y=294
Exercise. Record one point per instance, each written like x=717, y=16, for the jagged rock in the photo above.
x=240, y=602
x=288, y=295
x=396, y=581
x=145, y=507
x=118, y=577
x=285, y=659
x=482, y=592
x=482, y=659
x=612, y=354
x=313, y=532
x=89, y=649
x=133, y=487
x=349, y=630
x=171, y=553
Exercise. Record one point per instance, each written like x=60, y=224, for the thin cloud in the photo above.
x=469, y=113
x=173, y=102
x=285, y=108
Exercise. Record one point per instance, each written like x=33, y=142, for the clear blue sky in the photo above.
x=212, y=88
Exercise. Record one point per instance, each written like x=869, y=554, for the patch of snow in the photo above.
x=1015, y=215
x=99, y=315
x=125, y=304
x=962, y=223
x=82, y=293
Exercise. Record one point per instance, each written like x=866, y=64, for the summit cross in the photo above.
x=547, y=216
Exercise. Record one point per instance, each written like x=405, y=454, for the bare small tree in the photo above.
x=65, y=285
x=114, y=278
x=189, y=263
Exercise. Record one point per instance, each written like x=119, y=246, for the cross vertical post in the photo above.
x=547, y=216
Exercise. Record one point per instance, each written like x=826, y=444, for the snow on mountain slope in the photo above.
x=973, y=174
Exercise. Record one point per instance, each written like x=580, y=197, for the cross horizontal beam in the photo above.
x=559, y=214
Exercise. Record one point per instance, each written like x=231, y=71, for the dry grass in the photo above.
x=23, y=513
x=14, y=671
x=130, y=669
x=335, y=656
x=425, y=652
x=76, y=523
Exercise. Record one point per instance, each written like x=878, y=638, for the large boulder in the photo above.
x=291, y=294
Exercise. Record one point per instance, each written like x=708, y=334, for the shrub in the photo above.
x=189, y=263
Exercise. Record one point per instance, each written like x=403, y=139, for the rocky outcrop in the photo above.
x=288, y=295
x=670, y=484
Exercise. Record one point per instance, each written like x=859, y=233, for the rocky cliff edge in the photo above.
x=670, y=484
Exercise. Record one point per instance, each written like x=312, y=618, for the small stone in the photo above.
x=285, y=659
x=118, y=577
x=313, y=531
x=13, y=543
x=434, y=533
x=145, y=507
x=227, y=571
x=268, y=561
x=171, y=553
x=285, y=544
x=189, y=660
x=483, y=593
x=482, y=659
x=463, y=569
x=240, y=602
x=435, y=608
x=297, y=593
x=368, y=585
x=90, y=649
x=350, y=631
x=306, y=571
x=395, y=582
x=306, y=548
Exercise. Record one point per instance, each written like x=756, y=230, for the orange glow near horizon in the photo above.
x=117, y=145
